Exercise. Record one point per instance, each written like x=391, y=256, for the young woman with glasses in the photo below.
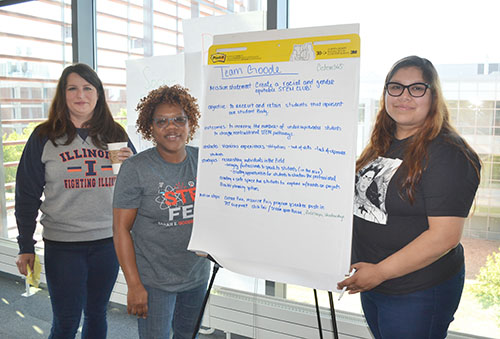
x=153, y=218
x=410, y=266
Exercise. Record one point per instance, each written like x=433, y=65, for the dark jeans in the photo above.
x=171, y=312
x=80, y=276
x=423, y=314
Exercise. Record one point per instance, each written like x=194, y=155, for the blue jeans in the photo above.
x=423, y=314
x=80, y=276
x=175, y=312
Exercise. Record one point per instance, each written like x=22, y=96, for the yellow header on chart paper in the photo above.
x=299, y=49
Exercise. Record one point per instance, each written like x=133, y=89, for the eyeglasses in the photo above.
x=179, y=121
x=416, y=90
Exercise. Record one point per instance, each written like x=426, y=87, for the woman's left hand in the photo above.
x=125, y=153
x=367, y=276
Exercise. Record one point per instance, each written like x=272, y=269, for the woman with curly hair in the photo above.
x=153, y=218
x=66, y=160
x=410, y=265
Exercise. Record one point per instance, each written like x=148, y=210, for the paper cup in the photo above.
x=113, y=149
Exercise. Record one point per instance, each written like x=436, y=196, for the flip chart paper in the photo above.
x=276, y=170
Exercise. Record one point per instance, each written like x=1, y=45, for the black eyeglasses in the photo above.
x=179, y=121
x=416, y=90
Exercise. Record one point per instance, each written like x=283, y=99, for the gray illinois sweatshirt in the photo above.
x=77, y=183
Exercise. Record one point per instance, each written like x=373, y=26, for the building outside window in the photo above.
x=470, y=78
x=36, y=46
x=36, y=40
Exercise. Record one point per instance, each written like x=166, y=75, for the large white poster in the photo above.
x=145, y=75
x=276, y=170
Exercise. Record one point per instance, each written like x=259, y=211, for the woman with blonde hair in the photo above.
x=410, y=266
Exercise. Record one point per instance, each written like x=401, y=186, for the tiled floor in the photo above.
x=30, y=317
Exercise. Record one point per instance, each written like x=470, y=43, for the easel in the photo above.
x=332, y=313
x=207, y=295
x=209, y=288
x=29, y=290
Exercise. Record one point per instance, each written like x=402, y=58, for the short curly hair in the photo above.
x=172, y=95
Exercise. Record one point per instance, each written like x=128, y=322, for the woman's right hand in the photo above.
x=125, y=153
x=23, y=260
x=366, y=277
x=137, y=301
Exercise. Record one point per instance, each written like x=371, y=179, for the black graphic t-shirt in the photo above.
x=384, y=222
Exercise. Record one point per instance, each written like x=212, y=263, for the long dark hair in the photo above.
x=436, y=122
x=102, y=127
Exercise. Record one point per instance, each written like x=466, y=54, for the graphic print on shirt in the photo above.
x=87, y=163
x=370, y=189
x=178, y=202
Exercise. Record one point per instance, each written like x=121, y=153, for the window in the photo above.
x=131, y=30
x=36, y=46
x=36, y=40
x=471, y=86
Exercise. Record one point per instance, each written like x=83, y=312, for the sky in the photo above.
x=443, y=31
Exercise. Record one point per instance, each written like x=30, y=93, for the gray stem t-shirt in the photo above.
x=164, y=195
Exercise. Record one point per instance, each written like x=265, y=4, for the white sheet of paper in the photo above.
x=144, y=75
x=199, y=32
x=276, y=170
